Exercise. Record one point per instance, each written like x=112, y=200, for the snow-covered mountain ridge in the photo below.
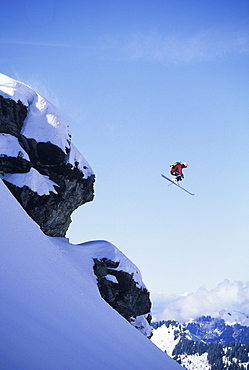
x=217, y=330
x=204, y=343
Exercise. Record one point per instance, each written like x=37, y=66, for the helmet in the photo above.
x=185, y=164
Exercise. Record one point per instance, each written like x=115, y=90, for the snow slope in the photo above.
x=51, y=313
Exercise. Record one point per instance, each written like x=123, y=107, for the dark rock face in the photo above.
x=52, y=212
x=12, y=115
x=123, y=294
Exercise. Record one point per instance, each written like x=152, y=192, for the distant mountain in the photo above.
x=215, y=330
x=206, y=343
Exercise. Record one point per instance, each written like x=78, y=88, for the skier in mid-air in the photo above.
x=176, y=170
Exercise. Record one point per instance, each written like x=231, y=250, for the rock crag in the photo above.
x=62, y=171
x=121, y=291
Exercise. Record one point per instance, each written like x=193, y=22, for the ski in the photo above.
x=179, y=186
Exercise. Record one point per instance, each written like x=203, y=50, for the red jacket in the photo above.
x=177, y=169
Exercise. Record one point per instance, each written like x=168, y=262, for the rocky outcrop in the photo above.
x=50, y=179
x=121, y=291
x=70, y=185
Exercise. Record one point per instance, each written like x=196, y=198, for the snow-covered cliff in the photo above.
x=38, y=162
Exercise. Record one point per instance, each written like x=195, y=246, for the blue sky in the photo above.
x=144, y=84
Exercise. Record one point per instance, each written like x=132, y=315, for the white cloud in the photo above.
x=40, y=43
x=230, y=296
x=39, y=87
x=178, y=48
x=155, y=46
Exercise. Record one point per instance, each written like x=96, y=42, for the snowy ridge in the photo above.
x=16, y=90
x=230, y=317
x=99, y=249
x=43, y=122
x=52, y=315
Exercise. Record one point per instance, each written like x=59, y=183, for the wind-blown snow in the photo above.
x=52, y=315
